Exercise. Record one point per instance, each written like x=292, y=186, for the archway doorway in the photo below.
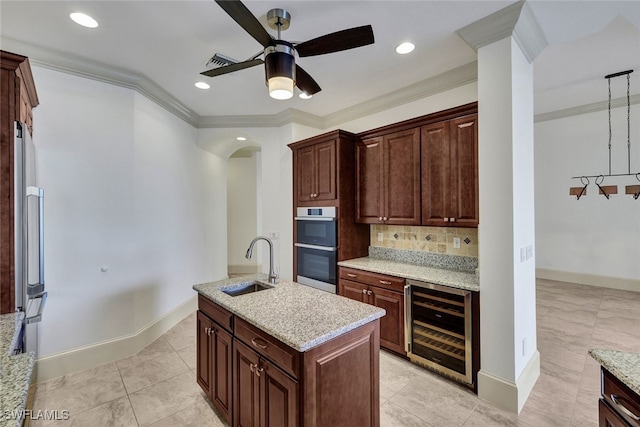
x=243, y=209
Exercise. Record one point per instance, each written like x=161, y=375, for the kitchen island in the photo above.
x=289, y=355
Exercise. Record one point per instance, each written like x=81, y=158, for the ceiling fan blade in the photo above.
x=305, y=82
x=336, y=42
x=231, y=68
x=247, y=21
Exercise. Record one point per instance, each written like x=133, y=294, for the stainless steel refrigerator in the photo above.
x=29, y=238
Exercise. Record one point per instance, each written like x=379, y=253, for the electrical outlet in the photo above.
x=380, y=237
x=456, y=243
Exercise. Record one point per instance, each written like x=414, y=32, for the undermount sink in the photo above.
x=245, y=288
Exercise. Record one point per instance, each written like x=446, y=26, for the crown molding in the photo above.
x=79, y=66
x=586, y=109
x=448, y=80
x=285, y=117
x=515, y=20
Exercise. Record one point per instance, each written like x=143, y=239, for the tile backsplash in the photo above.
x=427, y=239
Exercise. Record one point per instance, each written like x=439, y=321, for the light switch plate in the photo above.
x=380, y=237
x=456, y=243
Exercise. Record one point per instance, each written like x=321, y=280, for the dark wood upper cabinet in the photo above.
x=316, y=172
x=449, y=151
x=388, y=179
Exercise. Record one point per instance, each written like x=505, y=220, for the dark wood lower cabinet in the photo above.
x=214, y=356
x=264, y=395
x=619, y=406
x=608, y=417
x=255, y=380
x=359, y=285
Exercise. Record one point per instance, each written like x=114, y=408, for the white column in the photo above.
x=510, y=363
x=507, y=42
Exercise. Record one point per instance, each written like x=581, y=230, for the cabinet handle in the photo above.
x=385, y=218
x=452, y=219
x=253, y=367
x=624, y=408
x=351, y=275
x=259, y=370
x=207, y=331
x=380, y=218
x=260, y=344
x=369, y=293
x=384, y=282
x=364, y=291
x=446, y=220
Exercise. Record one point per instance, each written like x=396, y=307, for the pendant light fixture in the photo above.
x=608, y=190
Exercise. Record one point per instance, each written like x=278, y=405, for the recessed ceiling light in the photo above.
x=202, y=85
x=241, y=138
x=405, y=48
x=84, y=20
x=305, y=95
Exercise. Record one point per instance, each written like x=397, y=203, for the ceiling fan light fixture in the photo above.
x=280, y=87
x=280, y=70
x=305, y=95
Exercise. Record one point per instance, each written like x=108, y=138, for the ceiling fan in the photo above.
x=281, y=70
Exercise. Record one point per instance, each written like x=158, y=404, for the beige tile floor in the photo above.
x=157, y=386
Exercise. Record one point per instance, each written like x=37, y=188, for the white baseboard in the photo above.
x=98, y=354
x=589, y=279
x=508, y=395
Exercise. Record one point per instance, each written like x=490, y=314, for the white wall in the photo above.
x=593, y=235
x=126, y=189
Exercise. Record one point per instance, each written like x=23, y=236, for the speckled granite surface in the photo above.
x=623, y=364
x=438, y=276
x=300, y=316
x=450, y=262
x=15, y=371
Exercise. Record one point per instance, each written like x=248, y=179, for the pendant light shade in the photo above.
x=280, y=71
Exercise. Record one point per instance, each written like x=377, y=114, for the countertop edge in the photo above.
x=620, y=364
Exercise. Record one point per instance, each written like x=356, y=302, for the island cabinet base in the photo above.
x=335, y=384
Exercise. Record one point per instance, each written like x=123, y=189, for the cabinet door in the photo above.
x=221, y=369
x=369, y=181
x=435, y=173
x=246, y=393
x=392, y=324
x=204, y=352
x=464, y=171
x=278, y=397
x=305, y=171
x=401, y=174
x=353, y=290
x=325, y=171
x=607, y=417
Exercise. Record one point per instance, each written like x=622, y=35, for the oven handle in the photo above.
x=314, y=218
x=320, y=248
x=407, y=318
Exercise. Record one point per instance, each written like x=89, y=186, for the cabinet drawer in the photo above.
x=621, y=398
x=282, y=355
x=221, y=315
x=375, y=279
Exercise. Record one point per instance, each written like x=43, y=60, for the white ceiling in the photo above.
x=169, y=43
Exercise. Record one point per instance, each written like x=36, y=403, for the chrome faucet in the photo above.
x=272, y=275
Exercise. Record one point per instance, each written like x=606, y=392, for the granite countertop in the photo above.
x=439, y=276
x=623, y=364
x=15, y=371
x=300, y=316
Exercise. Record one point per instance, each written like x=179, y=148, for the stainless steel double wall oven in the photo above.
x=316, y=247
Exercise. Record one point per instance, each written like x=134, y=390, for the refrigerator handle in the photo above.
x=35, y=289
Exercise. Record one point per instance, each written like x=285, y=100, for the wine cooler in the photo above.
x=438, y=329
